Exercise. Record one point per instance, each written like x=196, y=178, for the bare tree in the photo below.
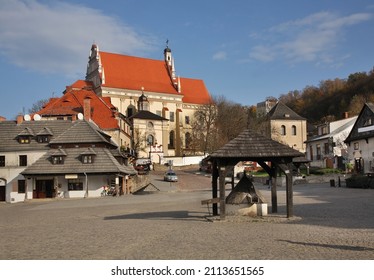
x=203, y=128
x=38, y=105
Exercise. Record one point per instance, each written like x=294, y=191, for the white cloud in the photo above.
x=56, y=38
x=313, y=38
x=221, y=55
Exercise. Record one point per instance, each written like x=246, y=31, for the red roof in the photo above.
x=129, y=72
x=71, y=103
x=194, y=91
x=80, y=84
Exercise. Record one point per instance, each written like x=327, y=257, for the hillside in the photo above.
x=332, y=98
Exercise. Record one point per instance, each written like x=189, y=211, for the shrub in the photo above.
x=360, y=181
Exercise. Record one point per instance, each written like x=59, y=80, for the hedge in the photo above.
x=360, y=182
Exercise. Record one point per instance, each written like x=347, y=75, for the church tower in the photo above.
x=169, y=60
x=143, y=103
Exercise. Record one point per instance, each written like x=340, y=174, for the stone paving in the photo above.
x=329, y=223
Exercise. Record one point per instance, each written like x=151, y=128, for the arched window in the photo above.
x=150, y=140
x=294, y=130
x=283, y=130
x=188, y=140
x=171, y=139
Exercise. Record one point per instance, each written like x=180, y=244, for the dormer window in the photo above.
x=43, y=139
x=24, y=139
x=44, y=136
x=58, y=157
x=88, y=156
x=87, y=159
x=57, y=160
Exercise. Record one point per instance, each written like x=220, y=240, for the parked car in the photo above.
x=170, y=176
x=142, y=169
x=205, y=166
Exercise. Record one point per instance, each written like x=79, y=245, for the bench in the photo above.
x=210, y=201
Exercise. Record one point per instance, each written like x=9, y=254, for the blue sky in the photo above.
x=244, y=50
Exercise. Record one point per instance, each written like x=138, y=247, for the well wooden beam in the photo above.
x=272, y=171
x=222, y=192
x=274, y=198
x=215, y=186
x=287, y=170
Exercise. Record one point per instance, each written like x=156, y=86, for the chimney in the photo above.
x=87, y=108
x=19, y=119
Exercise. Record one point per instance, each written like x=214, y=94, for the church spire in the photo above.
x=169, y=60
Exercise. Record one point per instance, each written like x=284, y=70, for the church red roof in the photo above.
x=71, y=104
x=194, y=91
x=129, y=72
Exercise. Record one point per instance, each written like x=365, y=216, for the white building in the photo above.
x=327, y=149
x=360, y=141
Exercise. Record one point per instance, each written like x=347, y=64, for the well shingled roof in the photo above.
x=250, y=145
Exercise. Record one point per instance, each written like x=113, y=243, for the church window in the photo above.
x=283, y=130
x=171, y=118
x=293, y=130
x=150, y=140
x=171, y=140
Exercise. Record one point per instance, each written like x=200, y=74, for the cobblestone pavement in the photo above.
x=329, y=223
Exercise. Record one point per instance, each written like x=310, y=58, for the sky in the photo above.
x=244, y=50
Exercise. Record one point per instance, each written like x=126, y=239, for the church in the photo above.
x=159, y=103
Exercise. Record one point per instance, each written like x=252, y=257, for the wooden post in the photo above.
x=222, y=192
x=215, y=186
x=272, y=171
x=274, y=199
x=287, y=170
x=289, y=190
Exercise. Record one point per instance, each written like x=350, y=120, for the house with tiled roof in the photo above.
x=284, y=125
x=58, y=158
x=80, y=101
x=126, y=78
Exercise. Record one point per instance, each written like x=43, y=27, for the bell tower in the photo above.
x=169, y=60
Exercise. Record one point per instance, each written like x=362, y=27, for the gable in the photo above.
x=364, y=125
